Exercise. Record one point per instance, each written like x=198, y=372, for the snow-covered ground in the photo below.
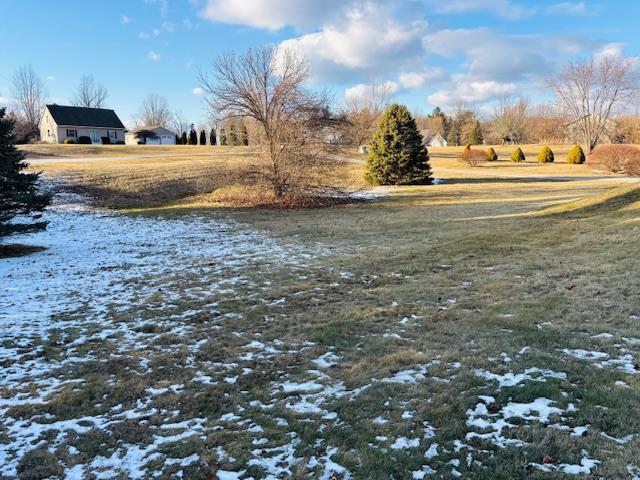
x=139, y=347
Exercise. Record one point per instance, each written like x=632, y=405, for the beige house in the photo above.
x=150, y=136
x=60, y=122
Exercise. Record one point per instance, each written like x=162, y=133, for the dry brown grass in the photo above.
x=228, y=176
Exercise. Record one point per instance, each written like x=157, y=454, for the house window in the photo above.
x=72, y=133
x=113, y=134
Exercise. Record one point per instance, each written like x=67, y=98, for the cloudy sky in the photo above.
x=430, y=52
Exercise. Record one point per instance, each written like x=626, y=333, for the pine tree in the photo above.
x=397, y=155
x=244, y=137
x=203, y=138
x=233, y=138
x=193, y=136
x=518, y=155
x=576, y=155
x=476, y=138
x=212, y=137
x=183, y=139
x=19, y=193
x=455, y=134
x=546, y=155
x=177, y=139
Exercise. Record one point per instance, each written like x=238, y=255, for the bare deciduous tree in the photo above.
x=179, y=123
x=29, y=95
x=593, y=92
x=362, y=112
x=266, y=86
x=511, y=122
x=90, y=94
x=154, y=112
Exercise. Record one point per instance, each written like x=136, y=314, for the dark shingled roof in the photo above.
x=84, y=117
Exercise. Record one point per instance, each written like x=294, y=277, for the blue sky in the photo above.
x=430, y=52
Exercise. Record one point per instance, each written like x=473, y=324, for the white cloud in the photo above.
x=4, y=101
x=369, y=39
x=364, y=90
x=470, y=92
x=271, y=14
x=51, y=78
x=125, y=19
x=503, y=8
x=153, y=56
x=420, y=78
x=572, y=8
x=197, y=91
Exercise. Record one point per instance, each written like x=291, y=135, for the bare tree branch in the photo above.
x=154, y=112
x=29, y=94
x=89, y=93
x=593, y=92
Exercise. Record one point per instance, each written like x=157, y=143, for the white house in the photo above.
x=431, y=140
x=150, y=136
x=61, y=122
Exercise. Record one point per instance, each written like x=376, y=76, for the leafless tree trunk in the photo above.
x=29, y=94
x=266, y=85
x=593, y=92
x=154, y=112
x=89, y=93
x=511, y=122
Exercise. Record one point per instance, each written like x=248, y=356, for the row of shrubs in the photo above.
x=476, y=157
x=84, y=140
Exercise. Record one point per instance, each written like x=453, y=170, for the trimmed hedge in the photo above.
x=576, y=155
x=518, y=155
x=546, y=155
x=491, y=155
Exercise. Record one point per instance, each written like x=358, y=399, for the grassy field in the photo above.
x=487, y=327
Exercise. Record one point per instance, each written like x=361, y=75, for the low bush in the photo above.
x=473, y=158
x=576, y=155
x=69, y=141
x=546, y=155
x=491, y=155
x=105, y=140
x=623, y=159
x=83, y=140
x=120, y=142
x=518, y=155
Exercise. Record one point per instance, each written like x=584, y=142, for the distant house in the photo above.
x=60, y=122
x=431, y=140
x=150, y=136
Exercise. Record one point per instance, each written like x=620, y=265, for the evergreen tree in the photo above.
x=455, y=134
x=183, y=139
x=223, y=137
x=177, y=139
x=233, y=138
x=244, y=137
x=476, y=137
x=576, y=155
x=193, y=136
x=19, y=193
x=518, y=155
x=546, y=155
x=212, y=137
x=397, y=155
x=203, y=138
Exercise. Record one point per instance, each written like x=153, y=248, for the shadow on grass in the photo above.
x=19, y=250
